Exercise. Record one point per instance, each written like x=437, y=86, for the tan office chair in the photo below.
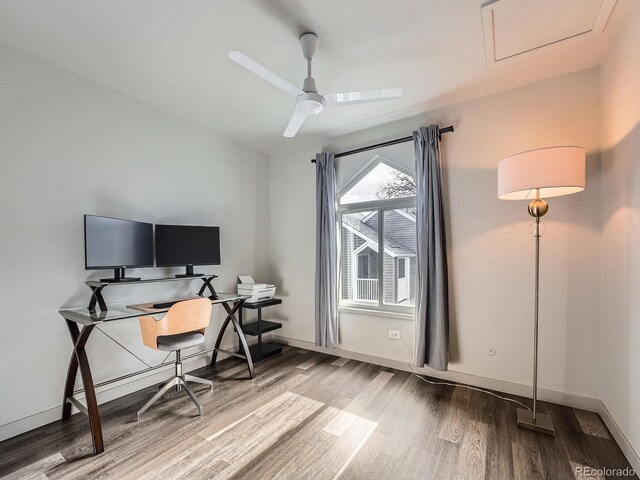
x=182, y=327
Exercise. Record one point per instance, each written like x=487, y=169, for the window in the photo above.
x=377, y=238
x=402, y=268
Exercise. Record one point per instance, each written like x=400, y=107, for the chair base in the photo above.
x=179, y=381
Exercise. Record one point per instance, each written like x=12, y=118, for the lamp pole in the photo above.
x=535, y=321
x=532, y=420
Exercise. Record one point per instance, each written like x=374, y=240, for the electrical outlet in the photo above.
x=394, y=334
x=492, y=351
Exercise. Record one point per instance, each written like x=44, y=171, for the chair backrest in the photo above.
x=187, y=316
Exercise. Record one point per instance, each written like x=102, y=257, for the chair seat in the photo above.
x=179, y=341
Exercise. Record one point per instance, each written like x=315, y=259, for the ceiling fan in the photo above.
x=308, y=101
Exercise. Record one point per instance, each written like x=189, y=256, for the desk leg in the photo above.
x=214, y=356
x=245, y=347
x=259, y=334
x=239, y=342
x=231, y=317
x=79, y=360
x=70, y=383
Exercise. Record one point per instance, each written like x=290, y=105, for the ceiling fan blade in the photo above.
x=262, y=71
x=363, y=97
x=297, y=119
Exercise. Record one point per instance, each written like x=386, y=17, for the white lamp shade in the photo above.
x=553, y=171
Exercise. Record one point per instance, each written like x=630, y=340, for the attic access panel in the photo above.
x=514, y=27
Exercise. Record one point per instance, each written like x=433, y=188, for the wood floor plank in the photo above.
x=226, y=417
x=383, y=397
x=376, y=459
x=369, y=393
x=443, y=462
x=500, y=435
x=571, y=439
x=579, y=475
x=527, y=464
x=453, y=427
x=336, y=382
x=311, y=362
x=606, y=454
x=555, y=463
x=341, y=423
x=412, y=465
x=280, y=455
x=37, y=470
x=413, y=416
x=472, y=457
x=340, y=362
x=591, y=423
x=250, y=437
x=327, y=455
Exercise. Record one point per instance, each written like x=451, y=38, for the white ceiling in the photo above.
x=172, y=54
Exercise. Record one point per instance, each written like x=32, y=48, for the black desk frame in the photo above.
x=97, y=287
x=79, y=359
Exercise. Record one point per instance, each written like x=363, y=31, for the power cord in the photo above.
x=471, y=388
x=468, y=387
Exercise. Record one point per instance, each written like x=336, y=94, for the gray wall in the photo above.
x=620, y=328
x=68, y=147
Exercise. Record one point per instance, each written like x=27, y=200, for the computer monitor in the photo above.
x=187, y=245
x=117, y=244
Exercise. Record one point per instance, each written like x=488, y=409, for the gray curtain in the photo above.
x=326, y=252
x=432, y=322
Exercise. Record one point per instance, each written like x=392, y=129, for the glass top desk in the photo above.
x=81, y=321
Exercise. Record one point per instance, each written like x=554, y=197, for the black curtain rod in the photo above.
x=385, y=144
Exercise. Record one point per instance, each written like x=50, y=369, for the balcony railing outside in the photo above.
x=366, y=289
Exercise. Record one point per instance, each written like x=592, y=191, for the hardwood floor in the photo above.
x=314, y=416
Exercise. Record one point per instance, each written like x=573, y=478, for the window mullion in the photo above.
x=406, y=202
x=380, y=257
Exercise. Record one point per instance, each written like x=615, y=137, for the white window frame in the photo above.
x=379, y=205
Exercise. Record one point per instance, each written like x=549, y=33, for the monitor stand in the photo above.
x=118, y=276
x=189, y=273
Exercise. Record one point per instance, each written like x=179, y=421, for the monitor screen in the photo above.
x=115, y=243
x=178, y=245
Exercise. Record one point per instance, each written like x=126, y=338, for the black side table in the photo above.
x=260, y=351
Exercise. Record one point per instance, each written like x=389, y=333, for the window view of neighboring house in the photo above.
x=378, y=208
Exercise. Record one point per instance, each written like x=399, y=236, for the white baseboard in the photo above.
x=107, y=393
x=620, y=437
x=553, y=396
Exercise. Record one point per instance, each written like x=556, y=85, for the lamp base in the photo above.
x=542, y=424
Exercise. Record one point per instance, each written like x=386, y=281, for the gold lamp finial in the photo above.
x=538, y=207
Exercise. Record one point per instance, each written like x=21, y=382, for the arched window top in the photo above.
x=378, y=179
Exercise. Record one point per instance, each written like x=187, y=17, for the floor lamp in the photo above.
x=535, y=175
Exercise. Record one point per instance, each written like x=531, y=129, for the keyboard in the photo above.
x=163, y=305
x=166, y=304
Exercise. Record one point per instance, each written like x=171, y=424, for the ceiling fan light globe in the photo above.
x=309, y=104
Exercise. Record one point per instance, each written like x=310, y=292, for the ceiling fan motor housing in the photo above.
x=310, y=103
